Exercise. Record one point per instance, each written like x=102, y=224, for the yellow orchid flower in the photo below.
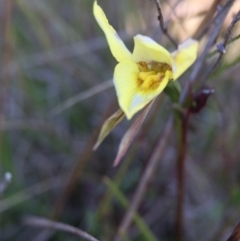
x=141, y=76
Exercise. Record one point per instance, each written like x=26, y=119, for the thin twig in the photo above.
x=236, y=18
x=221, y=47
x=231, y=40
x=162, y=25
x=46, y=223
x=213, y=33
x=147, y=175
x=194, y=77
x=182, y=129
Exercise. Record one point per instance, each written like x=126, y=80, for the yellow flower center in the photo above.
x=151, y=74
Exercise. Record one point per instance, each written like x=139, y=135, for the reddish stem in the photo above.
x=182, y=150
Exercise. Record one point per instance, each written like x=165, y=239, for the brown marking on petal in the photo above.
x=143, y=67
x=154, y=84
x=151, y=74
x=139, y=82
x=151, y=83
x=159, y=67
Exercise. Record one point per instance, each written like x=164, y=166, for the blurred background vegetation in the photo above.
x=56, y=91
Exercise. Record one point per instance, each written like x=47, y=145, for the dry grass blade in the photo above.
x=148, y=173
x=235, y=236
x=46, y=223
x=162, y=25
x=130, y=134
x=108, y=126
x=30, y=192
x=77, y=170
x=80, y=97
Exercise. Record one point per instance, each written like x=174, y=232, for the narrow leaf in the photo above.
x=130, y=134
x=108, y=126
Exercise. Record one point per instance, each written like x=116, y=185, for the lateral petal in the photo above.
x=130, y=99
x=125, y=81
x=184, y=57
x=141, y=99
x=117, y=47
x=147, y=50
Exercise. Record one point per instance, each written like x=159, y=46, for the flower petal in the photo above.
x=125, y=81
x=130, y=99
x=146, y=49
x=184, y=57
x=140, y=99
x=117, y=47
